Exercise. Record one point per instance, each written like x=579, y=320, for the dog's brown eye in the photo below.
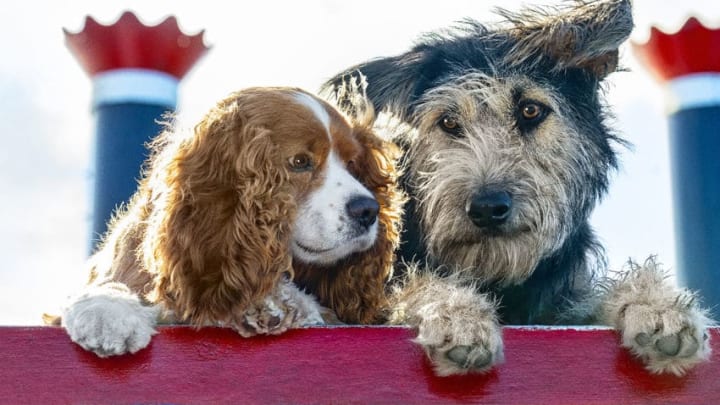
x=530, y=114
x=300, y=163
x=531, y=111
x=450, y=125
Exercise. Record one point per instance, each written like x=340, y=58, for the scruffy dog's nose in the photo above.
x=363, y=210
x=488, y=209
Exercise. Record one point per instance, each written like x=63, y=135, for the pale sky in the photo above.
x=47, y=126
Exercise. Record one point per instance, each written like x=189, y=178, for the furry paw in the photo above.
x=109, y=322
x=457, y=326
x=286, y=308
x=659, y=323
x=668, y=339
x=461, y=337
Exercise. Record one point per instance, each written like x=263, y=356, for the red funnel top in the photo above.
x=129, y=44
x=693, y=49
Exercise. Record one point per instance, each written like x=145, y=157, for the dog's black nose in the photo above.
x=488, y=209
x=363, y=210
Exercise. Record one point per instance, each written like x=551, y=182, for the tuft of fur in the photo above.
x=569, y=34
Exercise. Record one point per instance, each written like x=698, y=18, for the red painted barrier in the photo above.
x=357, y=365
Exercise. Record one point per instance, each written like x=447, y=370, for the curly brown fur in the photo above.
x=218, y=217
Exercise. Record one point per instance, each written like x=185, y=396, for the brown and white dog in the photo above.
x=273, y=197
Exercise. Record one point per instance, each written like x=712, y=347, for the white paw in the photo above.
x=286, y=308
x=109, y=322
x=659, y=323
x=668, y=339
x=461, y=338
x=309, y=313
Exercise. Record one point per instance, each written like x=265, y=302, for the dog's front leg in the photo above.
x=109, y=320
x=658, y=322
x=287, y=307
x=457, y=326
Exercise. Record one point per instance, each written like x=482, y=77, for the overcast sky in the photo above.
x=46, y=126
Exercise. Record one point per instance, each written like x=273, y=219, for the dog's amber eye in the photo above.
x=530, y=114
x=531, y=111
x=300, y=163
x=450, y=125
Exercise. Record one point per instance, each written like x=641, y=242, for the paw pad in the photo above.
x=681, y=344
x=643, y=339
x=459, y=354
x=669, y=345
x=476, y=357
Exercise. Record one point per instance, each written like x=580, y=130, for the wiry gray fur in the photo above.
x=542, y=264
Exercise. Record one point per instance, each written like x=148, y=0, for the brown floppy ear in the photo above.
x=221, y=218
x=371, y=270
x=584, y=35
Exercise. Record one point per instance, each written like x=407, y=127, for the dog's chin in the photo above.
x=333, y=252
x=473, y=235
x=508, y=256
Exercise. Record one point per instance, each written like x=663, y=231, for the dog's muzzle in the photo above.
x=489, y=209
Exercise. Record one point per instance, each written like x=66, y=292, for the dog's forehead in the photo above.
x=465, y=92
x=338, y=130
x=315, y=106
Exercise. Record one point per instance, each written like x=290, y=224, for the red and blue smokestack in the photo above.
x=135, y=71
x=687, y=63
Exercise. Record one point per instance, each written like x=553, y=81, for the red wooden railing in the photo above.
x=356, y=365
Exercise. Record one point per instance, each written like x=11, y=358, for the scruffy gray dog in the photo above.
x=507, y=150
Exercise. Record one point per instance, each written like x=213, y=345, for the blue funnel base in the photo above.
x=122, y=132
x=695, y=153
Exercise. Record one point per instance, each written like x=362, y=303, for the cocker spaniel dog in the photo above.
x=274, y=212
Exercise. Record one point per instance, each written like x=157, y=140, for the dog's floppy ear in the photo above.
x=585, y=35
x=222, y=217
